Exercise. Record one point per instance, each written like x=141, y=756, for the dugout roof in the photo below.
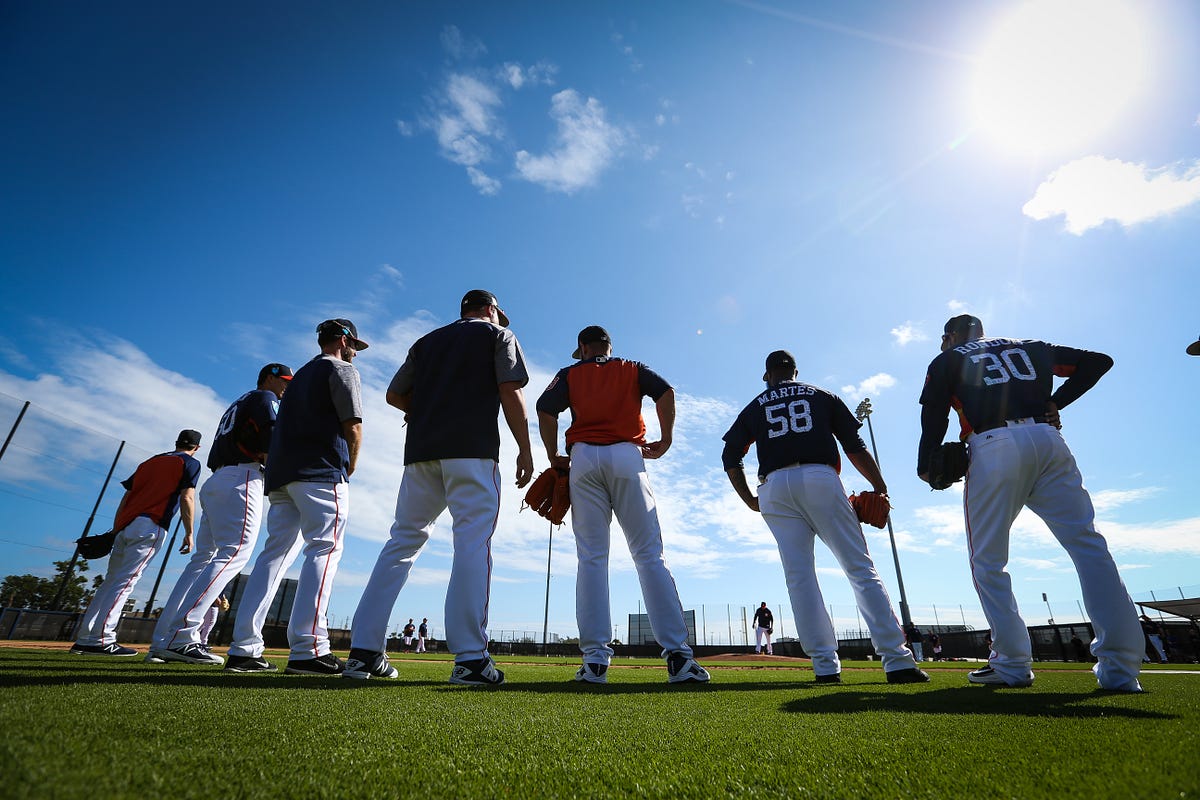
x=1188, y=609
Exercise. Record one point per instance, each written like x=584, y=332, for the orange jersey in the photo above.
x=605, y=398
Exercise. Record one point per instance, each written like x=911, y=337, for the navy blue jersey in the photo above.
x=307, y=442
x=454, y=374
x=792, y=423
x=244, y=433
x=992, y=379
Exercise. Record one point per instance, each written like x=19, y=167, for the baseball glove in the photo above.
x=948, y=464
x=871, y=507
x=550, y=495
x=97, y=546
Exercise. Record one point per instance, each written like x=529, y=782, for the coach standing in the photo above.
x=158, y=487
x=314, y=449
x=451, y=388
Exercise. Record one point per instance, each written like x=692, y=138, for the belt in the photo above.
x=763, y=478
x=1009, y=423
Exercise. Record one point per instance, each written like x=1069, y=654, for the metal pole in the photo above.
x=162, y=568
x=13, y=430
x=729, y=622
x=962, y=614
x=936, y=621
x=1082, y=615
x=62, y=585
x=1048, y=608
x=864, y=412
x=546, y=619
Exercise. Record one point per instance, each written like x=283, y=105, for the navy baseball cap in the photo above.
x=482, y=297
x=276, y=370
x=1193, y=349
x=963, y=323
x=778, y=360
x=331, y=328
x=592, y=334
x=188, y=438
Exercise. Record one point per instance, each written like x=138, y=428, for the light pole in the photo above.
x=864, y=412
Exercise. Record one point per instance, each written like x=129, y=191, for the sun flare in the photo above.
x=1056, y=73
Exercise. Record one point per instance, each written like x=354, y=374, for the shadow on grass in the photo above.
x=970, y=700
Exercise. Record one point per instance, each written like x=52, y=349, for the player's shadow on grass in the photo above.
x=50, y=674
x=968, y=700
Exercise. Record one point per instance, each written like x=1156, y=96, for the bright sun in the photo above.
x=1056, y=73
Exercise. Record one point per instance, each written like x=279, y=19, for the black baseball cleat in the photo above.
x=834, y=678
x=480, y=672
x=684, y=669
x=248, y=664
x=364, y=664
x=111, y=649
x=328, y=664
x=912, y=675
x=591, y=672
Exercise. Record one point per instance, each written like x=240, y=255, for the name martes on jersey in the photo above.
x=980, y=344
x=780, y=392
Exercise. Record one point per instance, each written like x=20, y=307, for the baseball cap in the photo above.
x=592, y=334
x=963, y=323
x=278, y=370
x=1193, y=349
x=482, y=297
x=778, y=360
x=341, y=327
x=188, y=438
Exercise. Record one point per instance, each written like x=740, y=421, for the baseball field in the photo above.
x=89, y=727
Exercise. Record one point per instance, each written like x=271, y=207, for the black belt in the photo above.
x=1004, y=423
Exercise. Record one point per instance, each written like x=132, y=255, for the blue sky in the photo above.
x=188, y=190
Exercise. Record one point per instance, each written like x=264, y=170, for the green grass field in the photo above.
x=87, y=727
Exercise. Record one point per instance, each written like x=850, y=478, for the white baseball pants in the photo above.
x=1031, y=465
x=808, y=501
x=761, y=636
x=314, y=514
x=133, y=549
x=607, y=480
x=231, y=503
x=470, y=488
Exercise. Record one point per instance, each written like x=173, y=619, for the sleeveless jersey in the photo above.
x=605, y=398
x=244, y=433
x=792, y=423
x=155, y=486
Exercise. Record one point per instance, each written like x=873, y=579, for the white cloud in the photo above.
x=956, y=307
x=459, y=47
x=1111, y=499
x=871, y=386
x=517, y=75
x=486, y=184
x=907, y=333
x=584, y=145
x=405, y=128
x=1091, y=191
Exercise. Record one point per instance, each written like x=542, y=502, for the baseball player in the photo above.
x=795, y=428
x=606, y=447
x=407, y=633
x=160, y=485
x=231, y=512
x=313, y=453
x=764, y=624
x=422, y=634
x=1002, y=390
x=451, y=388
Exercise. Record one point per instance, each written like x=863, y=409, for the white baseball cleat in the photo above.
x=592, y=673
x=987, y=675
x=681, y=669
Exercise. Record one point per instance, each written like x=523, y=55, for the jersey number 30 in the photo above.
x=1016, y=364
x=795, y=416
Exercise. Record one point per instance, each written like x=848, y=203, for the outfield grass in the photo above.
x=86, y=727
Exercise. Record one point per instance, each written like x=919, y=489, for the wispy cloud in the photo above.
x=460, y=47
x=1091, y=191
x=517, y=76
x=870, y=386
x=584, y=144
x=907, y=333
